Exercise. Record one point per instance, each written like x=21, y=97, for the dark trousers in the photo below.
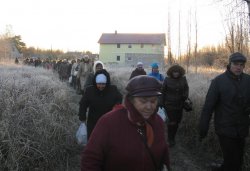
x=175, y=117
x=233, y=153
x=74, y=82
x=172, y=130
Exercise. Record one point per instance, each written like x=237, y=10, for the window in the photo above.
x=142, y=45
x=129, y=46
x=118, y=45
x=118, y=58
x=129, y=58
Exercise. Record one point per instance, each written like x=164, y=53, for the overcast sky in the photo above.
x=76, y=25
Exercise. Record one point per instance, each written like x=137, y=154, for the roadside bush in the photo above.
x=37, y=123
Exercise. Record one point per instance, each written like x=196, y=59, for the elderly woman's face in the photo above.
x=98, y=67
x=146, y=106
x=100, y=86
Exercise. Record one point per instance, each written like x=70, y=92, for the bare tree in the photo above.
x=189, y=40
x=169, y=40
x=248, y=5
x=236, y=27
x=196, y=37
x=179, y=35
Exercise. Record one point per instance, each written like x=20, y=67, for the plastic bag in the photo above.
x=75, y=73
x=70, y=79
x=162, y=113
x=81, y=134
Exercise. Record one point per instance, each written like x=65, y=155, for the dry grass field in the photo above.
x=38, y=120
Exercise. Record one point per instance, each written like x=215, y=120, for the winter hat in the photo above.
x=139, y=64
x=237, y=57
x=101, y=78
x=97, y=63
x=154, y=65
x=144, y=85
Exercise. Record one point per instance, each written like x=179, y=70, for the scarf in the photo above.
x=136, y=118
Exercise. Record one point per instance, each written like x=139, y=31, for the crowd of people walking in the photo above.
x=125, y=133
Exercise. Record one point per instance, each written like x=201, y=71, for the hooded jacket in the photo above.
x=90, y=77
x=97, y=102
x=175, y=90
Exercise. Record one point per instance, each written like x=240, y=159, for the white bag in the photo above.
x=81, y=134
x=75, y=73
x=162, y=113
x=70, y=79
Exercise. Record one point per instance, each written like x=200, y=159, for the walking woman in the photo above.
x=131, y=137
x=175, y=91
x=98, y=99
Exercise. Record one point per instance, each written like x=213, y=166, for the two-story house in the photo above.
x=127, y=49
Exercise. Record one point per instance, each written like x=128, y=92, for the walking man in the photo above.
x=229, y=98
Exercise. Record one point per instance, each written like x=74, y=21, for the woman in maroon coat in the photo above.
x=130, y=137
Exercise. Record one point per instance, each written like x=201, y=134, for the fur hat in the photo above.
x=176, y=68
x=143, y=85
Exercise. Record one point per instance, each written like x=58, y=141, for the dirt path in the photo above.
x=182, y=159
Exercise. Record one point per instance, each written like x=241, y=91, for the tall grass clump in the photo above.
x=37, y=119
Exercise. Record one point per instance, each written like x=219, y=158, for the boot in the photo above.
x=171, y=135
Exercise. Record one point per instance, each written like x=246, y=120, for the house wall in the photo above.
x=146, y=53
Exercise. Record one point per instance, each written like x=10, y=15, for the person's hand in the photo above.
x=81, y=118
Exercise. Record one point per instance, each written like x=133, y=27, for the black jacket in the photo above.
x=96, y=103
x=229, y=98
x=174, y=90
x=137, y=72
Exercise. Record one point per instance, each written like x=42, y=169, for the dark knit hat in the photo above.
x=237, y=57
x=144, y=85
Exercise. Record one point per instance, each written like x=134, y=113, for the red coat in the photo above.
x=115, y=145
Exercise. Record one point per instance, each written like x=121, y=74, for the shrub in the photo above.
x=37, y=120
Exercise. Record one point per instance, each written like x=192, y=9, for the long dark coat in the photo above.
x=228, y=98
x=97, y=102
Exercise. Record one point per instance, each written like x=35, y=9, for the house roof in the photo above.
x=133, y=38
